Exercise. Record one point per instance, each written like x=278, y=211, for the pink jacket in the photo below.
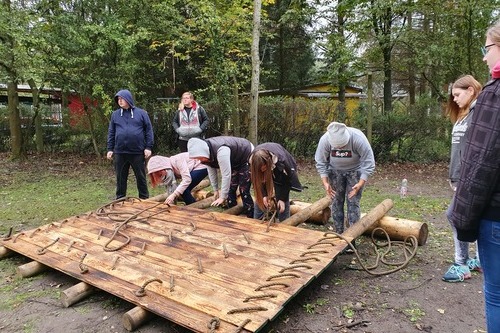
x=182, y=166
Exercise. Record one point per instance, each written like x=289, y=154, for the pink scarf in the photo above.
x=495, y=72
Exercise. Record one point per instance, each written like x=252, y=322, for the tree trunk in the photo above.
x=37, y=118
x=16, y=138
x=254, y=89
x=88, y=113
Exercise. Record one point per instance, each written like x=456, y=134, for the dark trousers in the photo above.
x=241, y=178
x=183, y=145
x=123, y=162
x=196, y=177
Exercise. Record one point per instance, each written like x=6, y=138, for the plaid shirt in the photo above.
x=478, y=191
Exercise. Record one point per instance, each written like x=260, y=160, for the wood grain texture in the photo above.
x=199, y=264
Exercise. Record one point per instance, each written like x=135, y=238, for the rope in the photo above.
x=83, y=268
x=246, y=238
x=133, y=216
x=271, y=285
x=142, y=290
x=313, y=252
x=294, y=267
x=247, y=309
x=272, y=277
x=42, y=250
x=409, y=245
x=9, y=234
x=17, y=236
x=213, y=324
x=304, y=260
x=243, y=324
x=172, y=283
x=249, y=298
x=270, y=213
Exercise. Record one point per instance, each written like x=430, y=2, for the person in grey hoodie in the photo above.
x=344, y=160
x=130, y=142
x=461, y=104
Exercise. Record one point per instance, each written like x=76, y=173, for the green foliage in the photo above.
x=414, y=312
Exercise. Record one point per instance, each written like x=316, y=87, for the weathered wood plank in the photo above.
x=218, y=262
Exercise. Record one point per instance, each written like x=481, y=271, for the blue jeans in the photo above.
x=488, y=244
x=196, y=177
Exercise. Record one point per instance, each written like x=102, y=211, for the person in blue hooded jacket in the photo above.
x=130, y=142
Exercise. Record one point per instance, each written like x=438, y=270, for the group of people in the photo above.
x=344, y=161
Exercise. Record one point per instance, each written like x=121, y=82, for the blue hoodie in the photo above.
x=130, y=130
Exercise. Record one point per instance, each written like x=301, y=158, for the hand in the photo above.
x=170, y=199
x=281, y=206
x=266, y=202
x=216, y=194
x=109, y=155
x=218, y=202
x=181, y=106
x=329, y=190
x=147, y=153
x=354, y=191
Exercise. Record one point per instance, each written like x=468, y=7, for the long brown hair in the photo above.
x=454, y=111
x=262, y=179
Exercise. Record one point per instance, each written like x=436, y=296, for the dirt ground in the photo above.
x=339, y=300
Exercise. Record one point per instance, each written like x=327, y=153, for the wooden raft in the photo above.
x=187, y=265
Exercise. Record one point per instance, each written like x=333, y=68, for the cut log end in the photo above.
x=135, y=318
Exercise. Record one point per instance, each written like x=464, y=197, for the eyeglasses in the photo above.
x=485, y=49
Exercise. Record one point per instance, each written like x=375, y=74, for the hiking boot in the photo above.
x=457, y=273
x=474, y=264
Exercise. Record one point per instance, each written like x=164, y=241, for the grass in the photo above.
x=37, y=195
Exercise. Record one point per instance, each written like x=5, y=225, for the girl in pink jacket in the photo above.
x=165, y=170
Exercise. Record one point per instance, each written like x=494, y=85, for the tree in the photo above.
x=286, y=45
x=11, y=32
x=254, y=90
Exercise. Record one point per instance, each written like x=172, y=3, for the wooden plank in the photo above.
x=214, y=267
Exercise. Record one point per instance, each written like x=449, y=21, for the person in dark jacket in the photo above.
x=190, y=121
x=130, y=142
x=230, y=155
x=274, y=174
x=475, y=211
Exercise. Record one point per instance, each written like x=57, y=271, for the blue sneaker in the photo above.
x=457, y=273
x=474, y=264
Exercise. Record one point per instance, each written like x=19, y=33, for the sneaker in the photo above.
x=457, y=273
x=474, y=264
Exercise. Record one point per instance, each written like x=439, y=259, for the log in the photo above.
x=235, y=210
x=307, y=212
x=135, y=317
x=321, y=217
x=5, y=252
x=76, y=293
x=205, y=203
x=202, y=194
x=30, y=269
x=399, y=229
x=204, y=183
x=367, y=221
